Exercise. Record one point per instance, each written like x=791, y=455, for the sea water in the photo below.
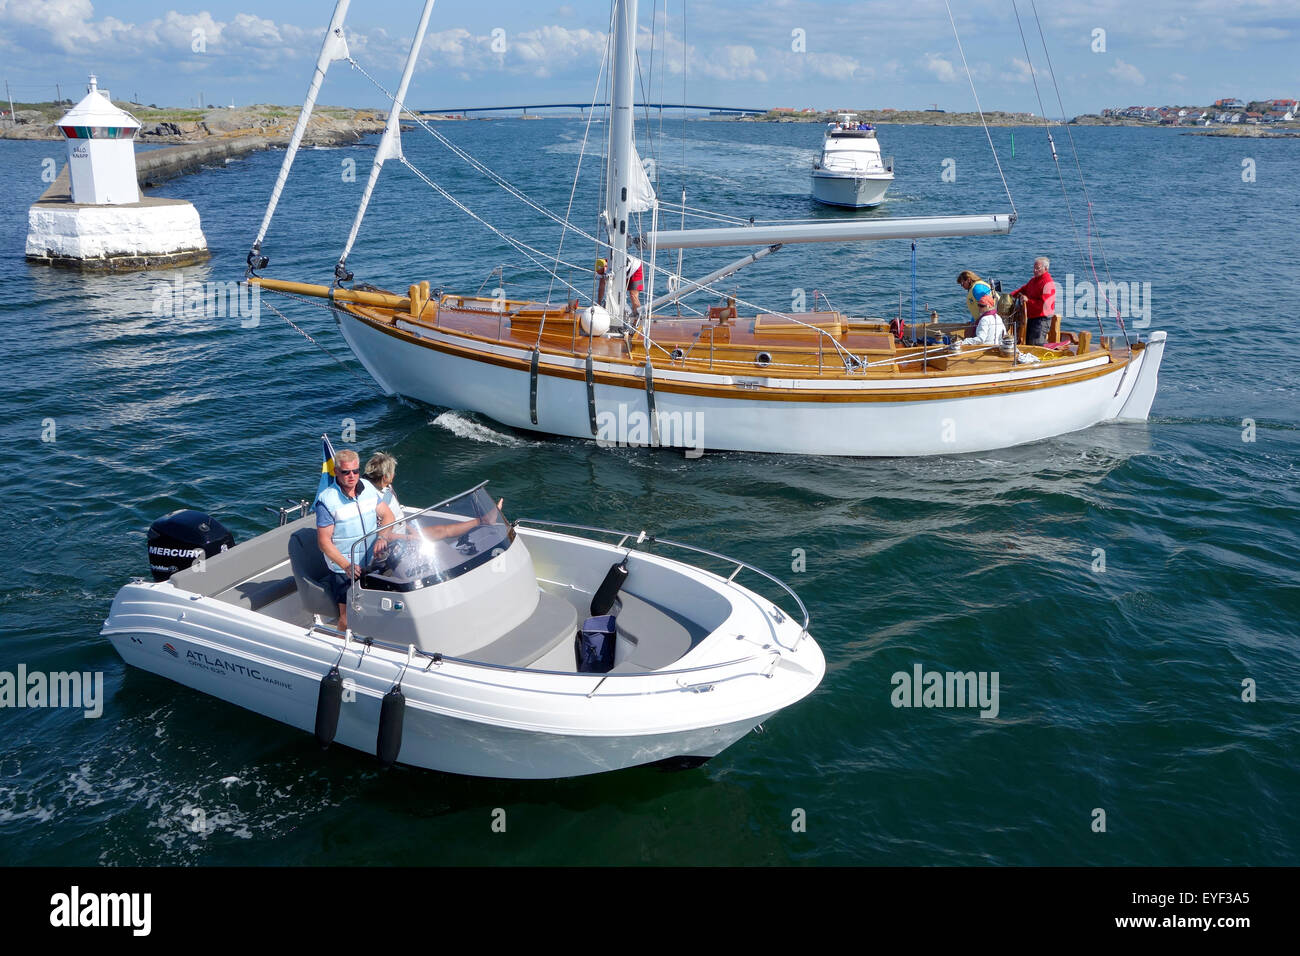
x=1131, y=591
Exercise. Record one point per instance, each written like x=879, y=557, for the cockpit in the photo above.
x=433, y=546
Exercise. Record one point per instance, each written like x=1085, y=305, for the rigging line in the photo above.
x=1082, y=182
x=980, y=110
x=306, y=336
x=526, y=249
x=685, y=50
x=518, y=244
x=577, y=173
x=464, y=155
x=1056, y=161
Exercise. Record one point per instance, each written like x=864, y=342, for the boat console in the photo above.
x=446, y=579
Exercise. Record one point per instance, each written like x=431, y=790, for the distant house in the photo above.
x=1230, y=103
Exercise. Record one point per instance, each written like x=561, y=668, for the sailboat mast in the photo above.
x=622, y=153
x=390, y=146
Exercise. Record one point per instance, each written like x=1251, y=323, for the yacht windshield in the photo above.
x=435, y=545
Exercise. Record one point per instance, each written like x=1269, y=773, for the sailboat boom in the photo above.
x=921, y=227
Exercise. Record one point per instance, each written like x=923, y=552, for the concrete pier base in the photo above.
x=151, y=234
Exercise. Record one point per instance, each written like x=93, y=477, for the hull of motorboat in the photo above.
x=475, y=719
x=851, y=192
x=851, y=418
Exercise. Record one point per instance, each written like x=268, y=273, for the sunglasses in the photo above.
x=349, y=471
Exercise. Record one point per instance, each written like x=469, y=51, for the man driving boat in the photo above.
x=346, y=511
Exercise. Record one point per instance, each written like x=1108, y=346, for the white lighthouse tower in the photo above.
x=93, y=216
x=101, y=150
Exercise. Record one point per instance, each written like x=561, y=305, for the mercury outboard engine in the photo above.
x=175, y=540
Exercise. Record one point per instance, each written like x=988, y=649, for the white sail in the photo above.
x=390, y=145
x=335, y=47
x=640, y=194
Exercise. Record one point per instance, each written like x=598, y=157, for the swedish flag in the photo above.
x=326, y=467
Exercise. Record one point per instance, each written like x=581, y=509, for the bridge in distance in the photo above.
x=583, y=107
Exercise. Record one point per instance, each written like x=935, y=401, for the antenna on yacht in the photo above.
x=390, y=146
x=334, y=48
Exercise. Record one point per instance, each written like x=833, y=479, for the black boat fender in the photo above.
x=327, y=707
x=607, y=593
x=392, y=711
x=329, y=699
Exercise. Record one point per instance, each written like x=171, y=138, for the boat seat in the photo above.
x=261, y=589
x=309, y=570
x=658, y=637
x=553, y=621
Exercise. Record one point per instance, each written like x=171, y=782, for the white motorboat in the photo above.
x=464, y=648
x=850, y=171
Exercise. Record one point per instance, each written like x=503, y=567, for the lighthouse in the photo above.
x=93, y=216
x=101, y=150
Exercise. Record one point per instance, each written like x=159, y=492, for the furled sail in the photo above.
x=640, y=194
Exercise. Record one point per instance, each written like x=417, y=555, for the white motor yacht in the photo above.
x=467, y=650
x=850, y=171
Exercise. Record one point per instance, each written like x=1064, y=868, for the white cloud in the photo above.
x=732, y=63
x=836, y=66
x=941, y=69
x=1178, y=77
x=1021, y=71
x=1127, y=73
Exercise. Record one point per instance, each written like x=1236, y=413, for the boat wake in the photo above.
x=463, y=426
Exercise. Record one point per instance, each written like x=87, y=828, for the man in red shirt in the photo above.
x=1040, y=302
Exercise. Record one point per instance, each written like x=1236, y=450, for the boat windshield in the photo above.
x=434, y=545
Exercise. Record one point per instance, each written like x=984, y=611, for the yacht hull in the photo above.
x=866, y=418
x=851, y=192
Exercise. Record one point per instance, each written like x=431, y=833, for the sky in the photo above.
x=759, y=54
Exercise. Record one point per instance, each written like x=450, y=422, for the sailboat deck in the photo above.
x=813, y=345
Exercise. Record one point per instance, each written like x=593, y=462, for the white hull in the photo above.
x=474, y=719
x=877, y=425
x=853, y=192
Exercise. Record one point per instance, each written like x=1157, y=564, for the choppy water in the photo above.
x=1119, y=689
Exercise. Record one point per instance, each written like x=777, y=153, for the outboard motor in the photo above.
x=175, y=540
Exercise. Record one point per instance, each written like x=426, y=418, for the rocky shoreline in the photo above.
x=268, y=126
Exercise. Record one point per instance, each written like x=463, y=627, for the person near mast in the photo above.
x=990, y=328
x=635, y=282
x=346, y=512
x=967, y=279
x=1040, y=302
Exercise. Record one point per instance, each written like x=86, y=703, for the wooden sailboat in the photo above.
x=820, y=383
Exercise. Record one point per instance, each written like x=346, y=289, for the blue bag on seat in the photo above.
x=595, y=645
